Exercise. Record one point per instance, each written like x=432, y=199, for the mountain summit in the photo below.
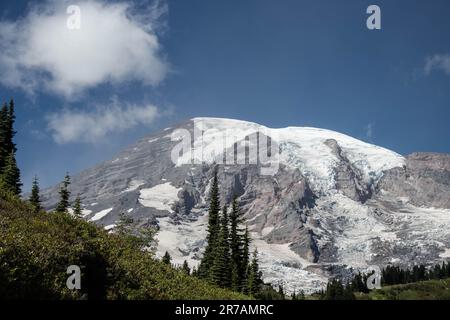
x=330, y=204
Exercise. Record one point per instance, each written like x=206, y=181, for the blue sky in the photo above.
x=136, y=67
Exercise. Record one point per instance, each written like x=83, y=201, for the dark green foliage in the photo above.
x=220, y=269
x=301, y=295
x=281, y=291
x=225, y=261
x=37, y=248
x=421, y=290
x=238, y=262
x=207, y=261
x=4, y=152
x=167, y=259
x=254, y=276
x=9, y=172
x=185, y=268
x=10, y=146
x=338, y=291
x=245, y=263
x=267, y=292
x=35, y=199
x=298, y=296
x=64, y=195
x=10, y=176
x=77, y=210
x=359, y=283
x=294, y=296
x=395, y=275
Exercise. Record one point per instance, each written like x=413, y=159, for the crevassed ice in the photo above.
x=161, y=196
x=301, y=147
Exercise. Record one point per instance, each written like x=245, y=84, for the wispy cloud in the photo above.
x=438, y=62
x=369, y=131
x=70, y=126
x=116, y=43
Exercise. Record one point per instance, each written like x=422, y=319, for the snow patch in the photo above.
x=99, y=215
x=182, y=239
x=110, y=226
x=133, y=185
x=161, y=196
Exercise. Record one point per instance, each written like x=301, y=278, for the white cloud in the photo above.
x=92, y=126
x=369, y=131
x=116, y=43
x=438, y=62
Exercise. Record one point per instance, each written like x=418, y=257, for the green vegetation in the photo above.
x=226, y=260
x=77, y=210
x=35, y=199
x=418, y=282
x=64, y=195
x=37, y=247
x=9, y=172
x=422, y=290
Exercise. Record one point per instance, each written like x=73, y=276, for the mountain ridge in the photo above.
x=335, y=204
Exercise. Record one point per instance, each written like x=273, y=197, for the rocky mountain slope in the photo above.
x=332, y=204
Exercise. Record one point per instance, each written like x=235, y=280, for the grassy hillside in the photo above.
x=37, y=248
x=423, y=290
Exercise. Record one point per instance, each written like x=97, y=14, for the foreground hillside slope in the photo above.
x=37, y=248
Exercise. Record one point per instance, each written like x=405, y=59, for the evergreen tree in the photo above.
x=167, y=258
x=281, y=291
x=207, y=261
x=35, y=199
x=3, y=135
x=220, y=270
x=10, y=132
x=77, y=210
x=245, y=262
x=185, y=268
x=293, y=296
x=238, y=269
x=64, y=195
x=301, y=296
x=11, y=175
x=337, y=291
x=254, y=276
x=235, y=277
x=124, y=225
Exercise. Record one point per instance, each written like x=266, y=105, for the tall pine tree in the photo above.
x=35, y=199
x=10, y=132
x=185, y=268
x=3, y=129
x=204, y=270
x=167, y=259
x=9, y=172
x=238, y=269
x=64, y=195
x=254, y=281
x=77, y=210
x=11, y=175
x=220, y=270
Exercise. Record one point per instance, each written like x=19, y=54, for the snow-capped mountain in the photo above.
x=332, y=204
